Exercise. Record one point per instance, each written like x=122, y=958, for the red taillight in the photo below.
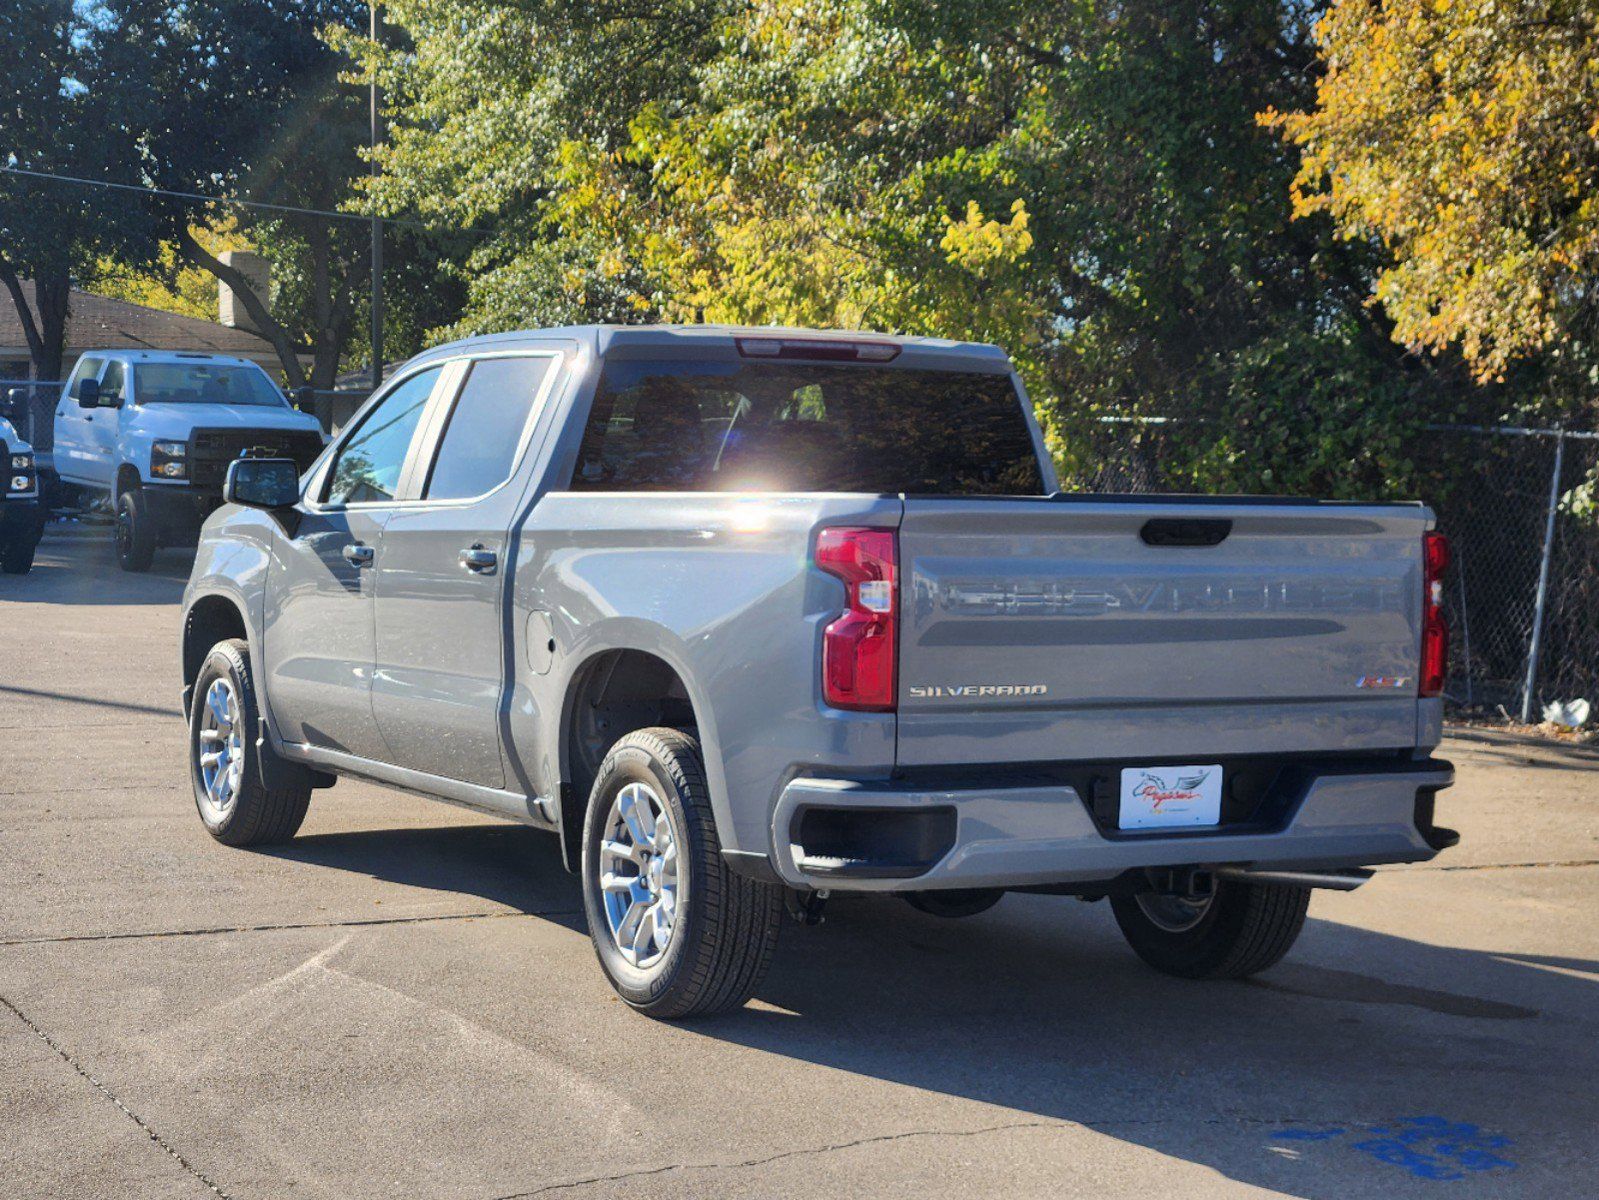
x=858, y=649
x=1434, y=628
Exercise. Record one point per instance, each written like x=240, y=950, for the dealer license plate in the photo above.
x=1170, y=797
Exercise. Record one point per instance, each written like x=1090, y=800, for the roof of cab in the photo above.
x=168, y=356
x=604, y=338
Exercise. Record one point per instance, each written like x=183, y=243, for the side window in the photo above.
x=114, y=383
x=369, y=463
x=485, y=428
x=86, y=367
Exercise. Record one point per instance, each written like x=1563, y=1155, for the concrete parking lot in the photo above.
x=403, y=1002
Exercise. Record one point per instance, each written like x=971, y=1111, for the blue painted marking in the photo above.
x=1428, y=1147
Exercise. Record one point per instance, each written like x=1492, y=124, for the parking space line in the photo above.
x=154, y=1136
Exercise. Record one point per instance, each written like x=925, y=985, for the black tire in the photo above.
x=1246, y=928
x=135, y=531
x=16, y=553
x=954, y=902
x=258, y=815
x=725, y=928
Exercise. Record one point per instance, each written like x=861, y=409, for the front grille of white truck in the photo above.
x=211, y=450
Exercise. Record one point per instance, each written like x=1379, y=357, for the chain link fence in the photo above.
x=1521, y=508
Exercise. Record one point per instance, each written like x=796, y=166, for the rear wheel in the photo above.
x=135, y=531
x=235, y=806
x=1240, y=929
x=676, y=932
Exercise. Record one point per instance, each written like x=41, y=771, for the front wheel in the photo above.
x=676, y=932
x=237, y=808
x=135, y=531
x=1239, y=930
x=16, y=552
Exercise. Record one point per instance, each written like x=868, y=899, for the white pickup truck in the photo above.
x=154, y=431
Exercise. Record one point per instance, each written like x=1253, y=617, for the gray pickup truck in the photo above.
x=749, y=617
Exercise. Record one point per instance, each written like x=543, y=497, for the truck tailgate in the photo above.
x=1069, y=628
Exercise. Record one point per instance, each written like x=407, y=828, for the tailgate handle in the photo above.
x=1185, y=531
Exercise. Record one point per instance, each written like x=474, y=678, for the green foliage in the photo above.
x=1462, y=137
x=1085, y=184
x=63, y=109
x=204, y=96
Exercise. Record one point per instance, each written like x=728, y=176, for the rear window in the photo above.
x=784, y=427
x=204, y=383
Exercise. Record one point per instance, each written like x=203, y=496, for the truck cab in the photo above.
x=21, y=514
x=152, y=433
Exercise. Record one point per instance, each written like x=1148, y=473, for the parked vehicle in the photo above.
x=153, y=432
x=21, y=514
x=750, y=617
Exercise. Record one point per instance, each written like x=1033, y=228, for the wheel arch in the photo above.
x=613, y=692
x=127, y=480
x=209, y=619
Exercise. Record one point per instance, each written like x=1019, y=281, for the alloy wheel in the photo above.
x=221, y=750
x=639, y=881
x=1173, y=914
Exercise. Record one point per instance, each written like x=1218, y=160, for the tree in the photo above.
x=1461, y=138
x=270, y=121
x=1085, y=184
x=210, y=97
x=282, y=127
x=62, y=110
x=172, y=283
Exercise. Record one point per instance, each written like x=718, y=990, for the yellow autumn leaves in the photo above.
x=1464, y=137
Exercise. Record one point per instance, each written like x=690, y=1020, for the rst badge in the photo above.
x=1383, y=682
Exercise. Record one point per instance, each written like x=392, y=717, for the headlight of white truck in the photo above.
x=169, y=460
x=22, y=474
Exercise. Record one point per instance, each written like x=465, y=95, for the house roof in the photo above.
x=101, y=323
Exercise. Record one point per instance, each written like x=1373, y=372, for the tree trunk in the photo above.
x=44, y=323
x=329, y=344
x=270, y=327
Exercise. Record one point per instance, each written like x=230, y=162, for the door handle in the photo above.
x=476, y=558
x=358, y=555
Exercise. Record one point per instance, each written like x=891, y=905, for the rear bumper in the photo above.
x=887, y=837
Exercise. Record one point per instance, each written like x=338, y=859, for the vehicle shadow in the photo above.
x=502, y=863
x=1364, y=1064
x=1365, y=1042
x=81, y=569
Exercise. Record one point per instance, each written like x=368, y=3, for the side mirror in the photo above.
x=88, y=393
x=303, y=398
x=262, y=483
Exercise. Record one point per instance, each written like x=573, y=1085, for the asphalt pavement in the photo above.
x=403, y=1002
